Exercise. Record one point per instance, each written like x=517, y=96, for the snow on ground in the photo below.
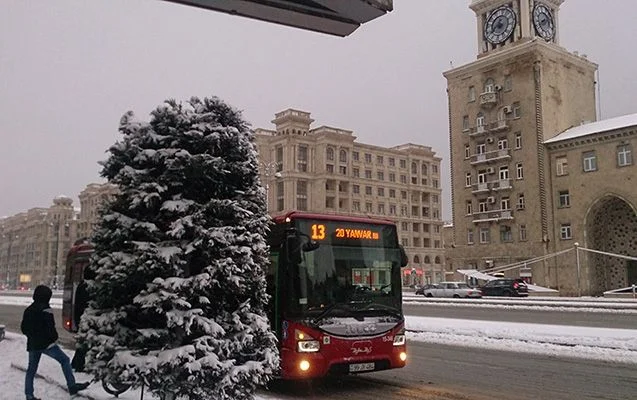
x=604, y=344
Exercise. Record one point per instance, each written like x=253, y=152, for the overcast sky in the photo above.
x=70, y=68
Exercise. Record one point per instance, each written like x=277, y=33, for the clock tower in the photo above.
x=522, y=89
x=503, y=23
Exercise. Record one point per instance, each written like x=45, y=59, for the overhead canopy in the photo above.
x=334, y=17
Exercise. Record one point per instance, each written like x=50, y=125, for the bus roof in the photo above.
x=331, y=217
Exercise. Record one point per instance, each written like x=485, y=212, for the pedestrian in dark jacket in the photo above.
x=38, y=324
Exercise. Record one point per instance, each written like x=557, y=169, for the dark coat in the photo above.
x=38, y=323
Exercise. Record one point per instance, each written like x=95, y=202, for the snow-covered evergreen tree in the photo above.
x=179, y=300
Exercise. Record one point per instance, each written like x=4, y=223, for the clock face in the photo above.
x=543, y=22
x=500, y=24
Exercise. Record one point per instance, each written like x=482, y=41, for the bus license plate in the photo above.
x=361, y=367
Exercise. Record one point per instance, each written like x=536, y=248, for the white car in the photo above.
x=452, y=289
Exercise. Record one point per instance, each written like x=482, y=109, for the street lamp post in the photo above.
x=269, y=169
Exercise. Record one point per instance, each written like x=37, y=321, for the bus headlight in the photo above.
x=308, y=346
x=399, y=340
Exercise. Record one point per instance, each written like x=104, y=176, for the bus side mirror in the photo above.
x=293, y=243
x=404, y=260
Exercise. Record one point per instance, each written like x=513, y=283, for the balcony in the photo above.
x=480, y=188
x=492, y=216
x=489, y=99
x=478, y=131
x=501, y=185
x=491, y=156
x=499, y=126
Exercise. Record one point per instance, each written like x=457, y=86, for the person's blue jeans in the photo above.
x=56, y=353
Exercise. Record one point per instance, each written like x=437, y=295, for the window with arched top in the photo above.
x=342, y=156
x=489, y=86
x=480, y=119
x=424, y=169
x=414, y=168
x=427, y=260
x=330, y=154
x=437, y=260
x=416, y=259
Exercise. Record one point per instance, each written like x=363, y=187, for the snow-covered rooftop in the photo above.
x=596, y=127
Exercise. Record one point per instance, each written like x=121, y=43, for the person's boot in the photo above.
x=78, y=386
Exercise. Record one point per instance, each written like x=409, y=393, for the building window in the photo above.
x=590, y=161
x=392, y=209
x=465, y=123
x=624, y=155
x=414, y=168
x=521, y=203
x=302, y=159
x=467, y=151
x=505, y=203
x=392, y=162
x=508, y=83
x=356, y=205
x=517, y=111
x=467, y=179
x=482, y=206
x=482, y=176
x=518, y=140
x=504, y=172
x=342, y=170
x=503, y=144
x=342, y=156
x=522, y=232
x=368, y=190
x=392, y=193
x=519, y=171
x=424, y=169
x=403, y=211
x=469, y=207
x=415, y=227
x=403, y=194
x=380, y=160
x=403, y=164
x=355, y=155
x=484, y=235
x=414, y=180
x=356, y=172
x=368, y=207
x=480, y=119
x=381, y=192
x=434, y=183
x=380, y=175
x=356, y=189
x=392, y=177
x=472, y=93
x=330, y=154
x=434, y=168
x=403, y=179
x=561, y=166
x=280, y=195
x=329, y=168
x=470, y=236
x=506, y=234
x=368, y=174
x=564, y=198
x=434, y=198
x=381, y=208
x=565, y=232
x=404, y=226
x=404, y=242
x=368, y=158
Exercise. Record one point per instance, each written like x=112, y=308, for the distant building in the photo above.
x=91, y=199
x=326, y=170
x=33, y=244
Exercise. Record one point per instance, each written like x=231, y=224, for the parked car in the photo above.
x=505, y=287
x=452, y=289
x=421, y=289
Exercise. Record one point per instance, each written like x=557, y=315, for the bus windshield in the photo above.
x=355, y=271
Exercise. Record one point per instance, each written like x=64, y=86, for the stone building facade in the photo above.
x=91, y=199
x=326, y=170
x=33, y=245
x=504, y=109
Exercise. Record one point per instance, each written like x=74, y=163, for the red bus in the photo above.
x=336, y=294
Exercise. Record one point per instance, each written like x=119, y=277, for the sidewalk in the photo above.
x=49, y=383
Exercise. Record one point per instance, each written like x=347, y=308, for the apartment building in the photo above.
x=33, y=244
x=91, y=199
x=324, y=169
